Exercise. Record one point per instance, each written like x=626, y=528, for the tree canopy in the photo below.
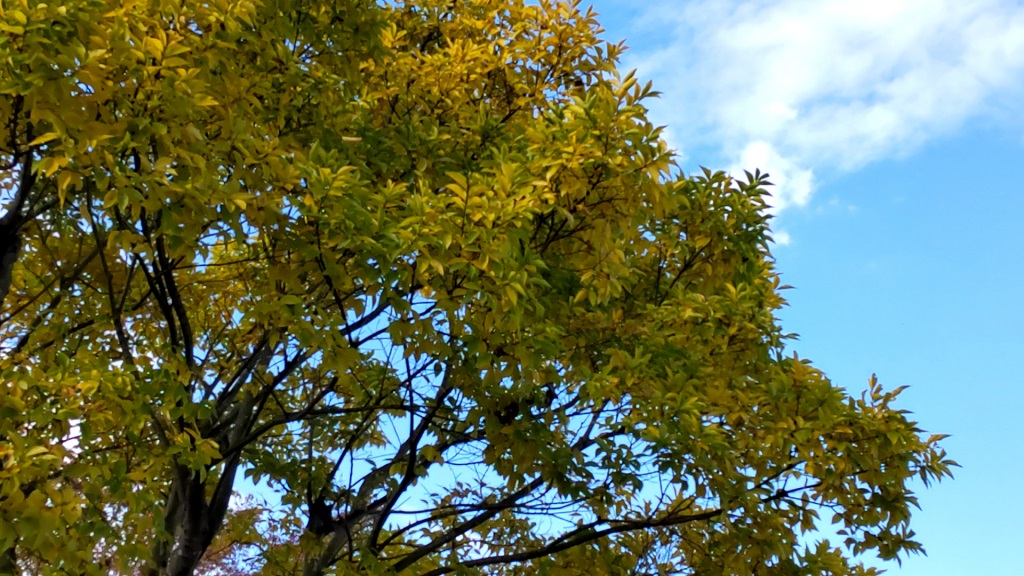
x=419, y=275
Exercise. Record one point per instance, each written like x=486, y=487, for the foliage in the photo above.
x=422, y=271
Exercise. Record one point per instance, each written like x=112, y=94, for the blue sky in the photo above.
x=895, y=132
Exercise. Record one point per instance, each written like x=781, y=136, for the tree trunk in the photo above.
x=192, y=520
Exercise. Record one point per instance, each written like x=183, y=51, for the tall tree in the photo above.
x=426, y=276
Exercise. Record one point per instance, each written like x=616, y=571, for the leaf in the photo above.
x=36, y=451
x=154, y=46
x=43, y=139
x=174, y=62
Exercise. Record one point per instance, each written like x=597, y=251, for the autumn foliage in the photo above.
x=423, y=279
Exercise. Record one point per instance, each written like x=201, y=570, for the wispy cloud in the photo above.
x=781, y=238
x=794, y=86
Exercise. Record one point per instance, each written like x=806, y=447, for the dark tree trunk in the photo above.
x=193, y=521
x=10, y=246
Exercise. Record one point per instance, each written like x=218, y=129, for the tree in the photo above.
x=426, y=276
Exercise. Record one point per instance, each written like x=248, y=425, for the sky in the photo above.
x=894, y=132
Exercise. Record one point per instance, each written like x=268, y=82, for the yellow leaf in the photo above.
x=64, y=181
x=176, y=49
x=154, y=46
x=43, y=139
x=51, y=164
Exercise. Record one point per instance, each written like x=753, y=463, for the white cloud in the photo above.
x=794, y=86
x=793, y=185
x=781, y=238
